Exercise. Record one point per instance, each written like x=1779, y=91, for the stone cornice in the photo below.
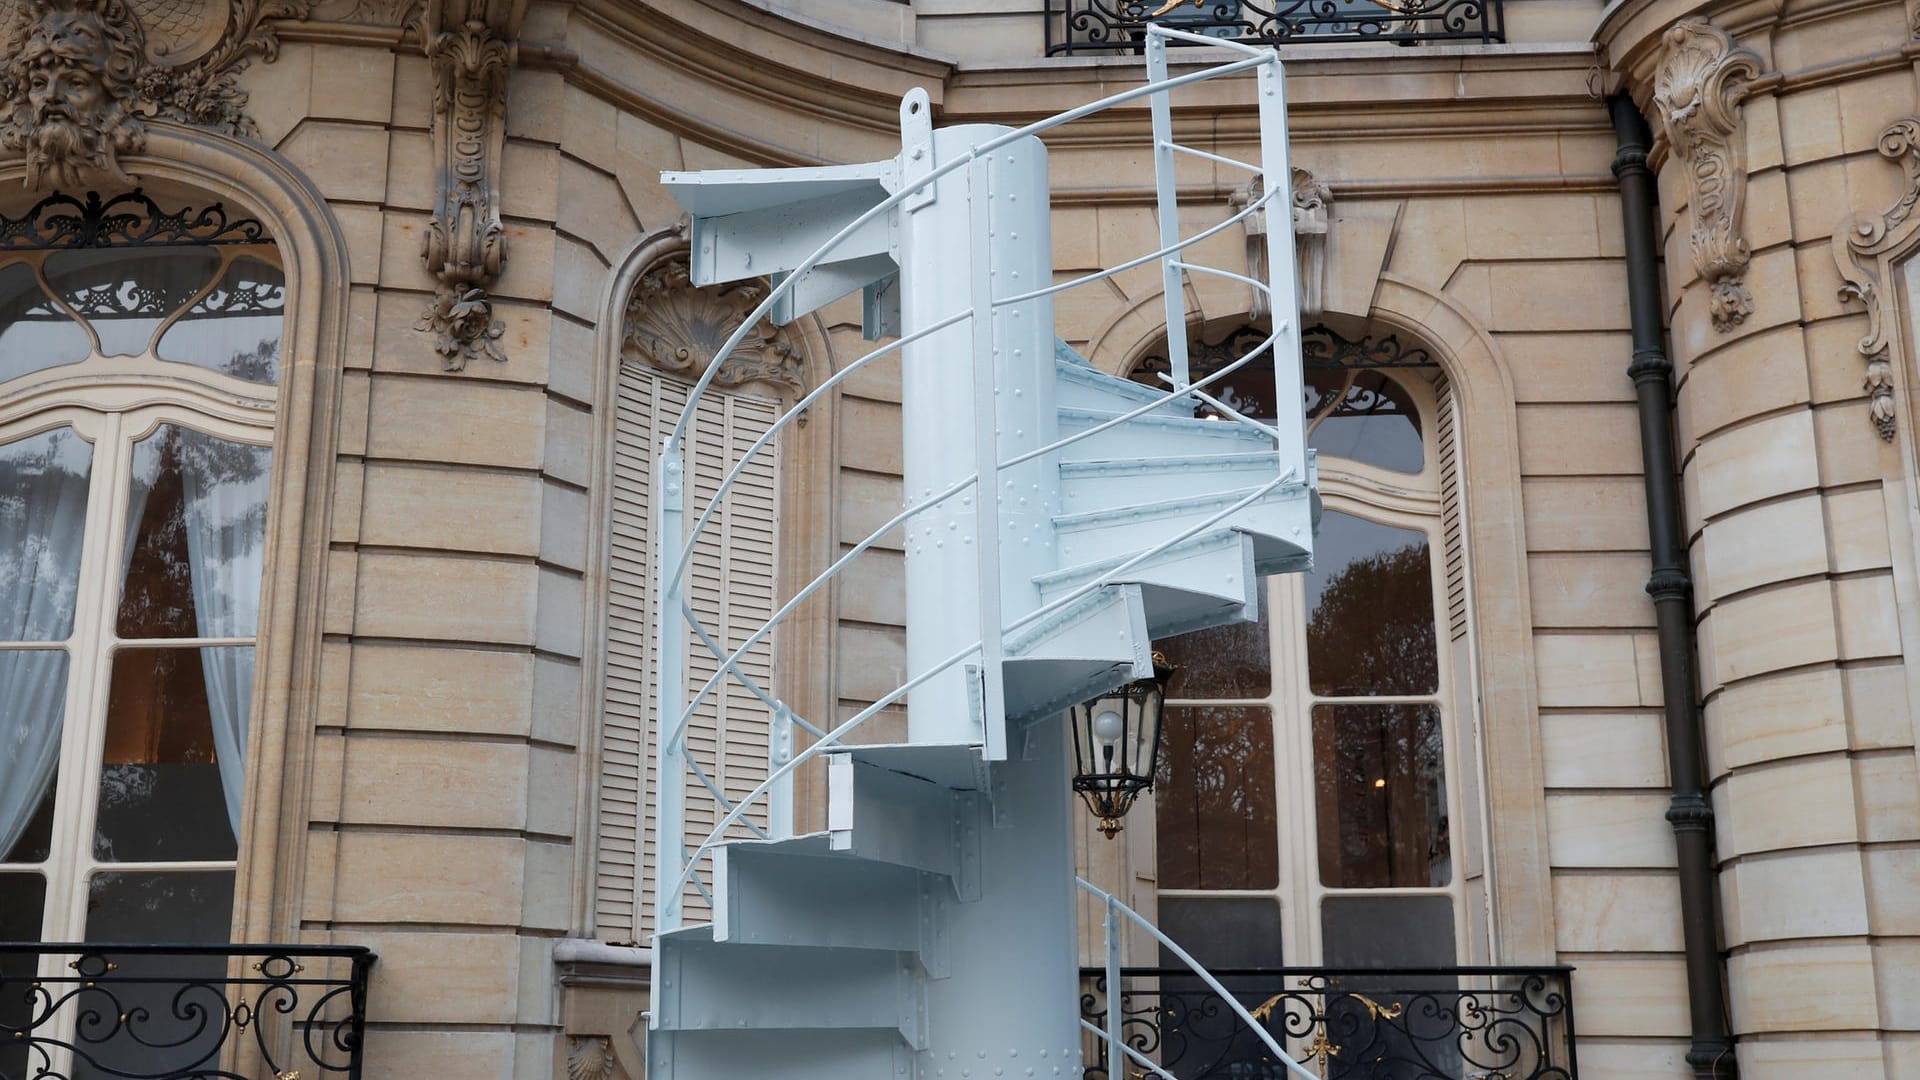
x=1630, y=32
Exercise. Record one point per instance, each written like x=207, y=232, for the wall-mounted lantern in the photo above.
x=1116, y=745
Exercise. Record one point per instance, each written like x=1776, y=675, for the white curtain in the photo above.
x=226, y=517
x=43, y=512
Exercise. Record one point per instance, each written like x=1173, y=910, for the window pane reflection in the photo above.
x=1214, y=799
x=1228, y=932
x=172, y=760
x=1231, y=661
x=1370, y=610
x=169, y=1031
x=43, y=512
x=22, y=902
x=164, y=908
x=35, y=332
x=33, y=696
x=1380, y=793
x=126, y=293
x=234, y=329
x=1364, y=416
x=197, y=520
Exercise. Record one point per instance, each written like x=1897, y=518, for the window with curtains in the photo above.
x=137, y=394
x=1316, y=804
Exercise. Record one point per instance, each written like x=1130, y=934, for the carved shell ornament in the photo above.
x=590, y=1057
x=1859, y=242
x=79, y=79
x=1696, y=95
x=675, y=326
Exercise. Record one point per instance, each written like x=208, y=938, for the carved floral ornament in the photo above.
x=465, y=245
x=1862, y=244
x=672, y=325
x=79, y=79
x=1696, y=95
x=590, y=1057
x=1312, y=205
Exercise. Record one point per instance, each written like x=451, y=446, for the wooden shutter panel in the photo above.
x=729, y=586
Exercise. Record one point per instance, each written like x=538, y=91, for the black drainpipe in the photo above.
x=1671, y=587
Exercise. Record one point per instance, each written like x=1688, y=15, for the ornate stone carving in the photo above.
x=81, y=77
x=1859, y=243
x=590, y=1057
x=676, y=327
x=1696, y=96
x=370, y=12
x=465, y=244
x=1312, y=204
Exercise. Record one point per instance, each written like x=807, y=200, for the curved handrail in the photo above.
x=766, y=438
x=827, y=741
x=787, y=284
x=1114, y=906
x=679, y=559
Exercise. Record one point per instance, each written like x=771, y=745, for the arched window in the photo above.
x=1315, y=804
x=139, y=356
x=671, y=332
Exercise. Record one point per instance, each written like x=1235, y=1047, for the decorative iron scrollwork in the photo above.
x=144, y=1012
x=66, y=221
x=1088, y=26
x=1407, y=1024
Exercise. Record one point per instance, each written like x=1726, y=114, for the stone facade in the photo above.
x=433, y=648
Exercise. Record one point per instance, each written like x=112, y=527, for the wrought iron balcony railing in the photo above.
x=1097, y=26
x=1461, y=1023
x=181, y=1012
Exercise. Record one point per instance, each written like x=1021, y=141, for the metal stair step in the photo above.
x=1089, y=646
x=1202, y=581
x=1154, y=433
x=1281, y=523
x=1103, y=482
x=788, y=1055
x=707, y=985
x=1084, y=386
x=767, y=895
x=907, y=819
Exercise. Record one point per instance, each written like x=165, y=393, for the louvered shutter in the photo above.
x=729, y=586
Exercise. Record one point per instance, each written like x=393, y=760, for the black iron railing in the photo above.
x=1464, y=1023
x=181, y=1012
x=1096, y=26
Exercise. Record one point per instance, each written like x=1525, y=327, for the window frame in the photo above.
x=113, y=402
x=1413, y=502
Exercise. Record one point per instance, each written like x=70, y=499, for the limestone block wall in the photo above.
x=1801, y=547
x=448, y=824
x=443, y=812
x=1474, y=214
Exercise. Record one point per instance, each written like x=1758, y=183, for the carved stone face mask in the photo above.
x=66, y=56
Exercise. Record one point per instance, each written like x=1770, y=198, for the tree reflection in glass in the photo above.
x=1381, y=794
x=1213, y=798
x=235, y=328
x=1370, y=629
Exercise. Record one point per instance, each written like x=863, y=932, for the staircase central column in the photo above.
x=939, y=259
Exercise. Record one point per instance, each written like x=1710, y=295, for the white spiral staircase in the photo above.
x=928, y=932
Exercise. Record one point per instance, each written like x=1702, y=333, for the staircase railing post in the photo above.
x=986, y=457
x=670, y=663
x=779, y=752
x=1282, y=271
x=1166, y=193
x=1116, y=1058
